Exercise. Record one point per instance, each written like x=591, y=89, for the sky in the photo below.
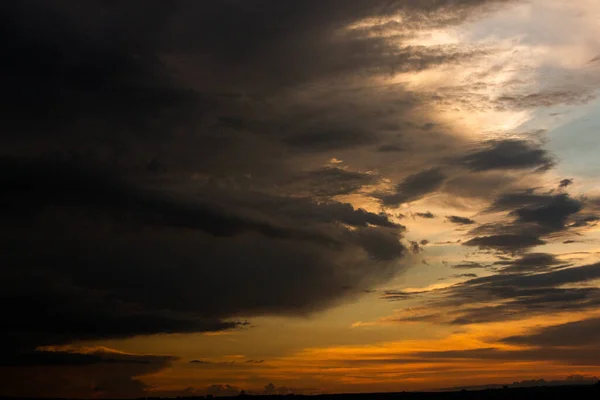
x=308, y=196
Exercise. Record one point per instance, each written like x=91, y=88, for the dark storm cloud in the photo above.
x=110, y=375
x=109, y=228
x=415, y=187
x=142, y=157
x=124, y=139
x=508, y=155
x=72, y=184
x=73, y=74
x=460, y=220
x=70, y=358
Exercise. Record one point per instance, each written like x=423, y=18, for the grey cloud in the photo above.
x=507, y=155
x=395, y=295
x=526, y=198
x=509, y=243
x=549, y=279
x=415, y=248
x=545, y=99
x=530, y=262
x=468, y=265
x=465, y=276
x=415, y=187
x=568, y=356
x=551, y=214
x=578, y=334
x=535, y=216
x=479, y=185
x=584, y=220
x=505, y=296
x=380, y=245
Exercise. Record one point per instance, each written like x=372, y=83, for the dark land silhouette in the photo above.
x=570, y=392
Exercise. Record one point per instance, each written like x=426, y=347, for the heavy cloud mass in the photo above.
x=138, y=199
x=190, y=167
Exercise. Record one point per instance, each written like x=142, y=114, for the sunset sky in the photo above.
x=298, y=196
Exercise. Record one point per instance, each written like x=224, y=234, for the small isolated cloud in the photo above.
x=565, y=183
x=460, y=220
x=468, y=265
x=426, y=215
x=465, y=276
